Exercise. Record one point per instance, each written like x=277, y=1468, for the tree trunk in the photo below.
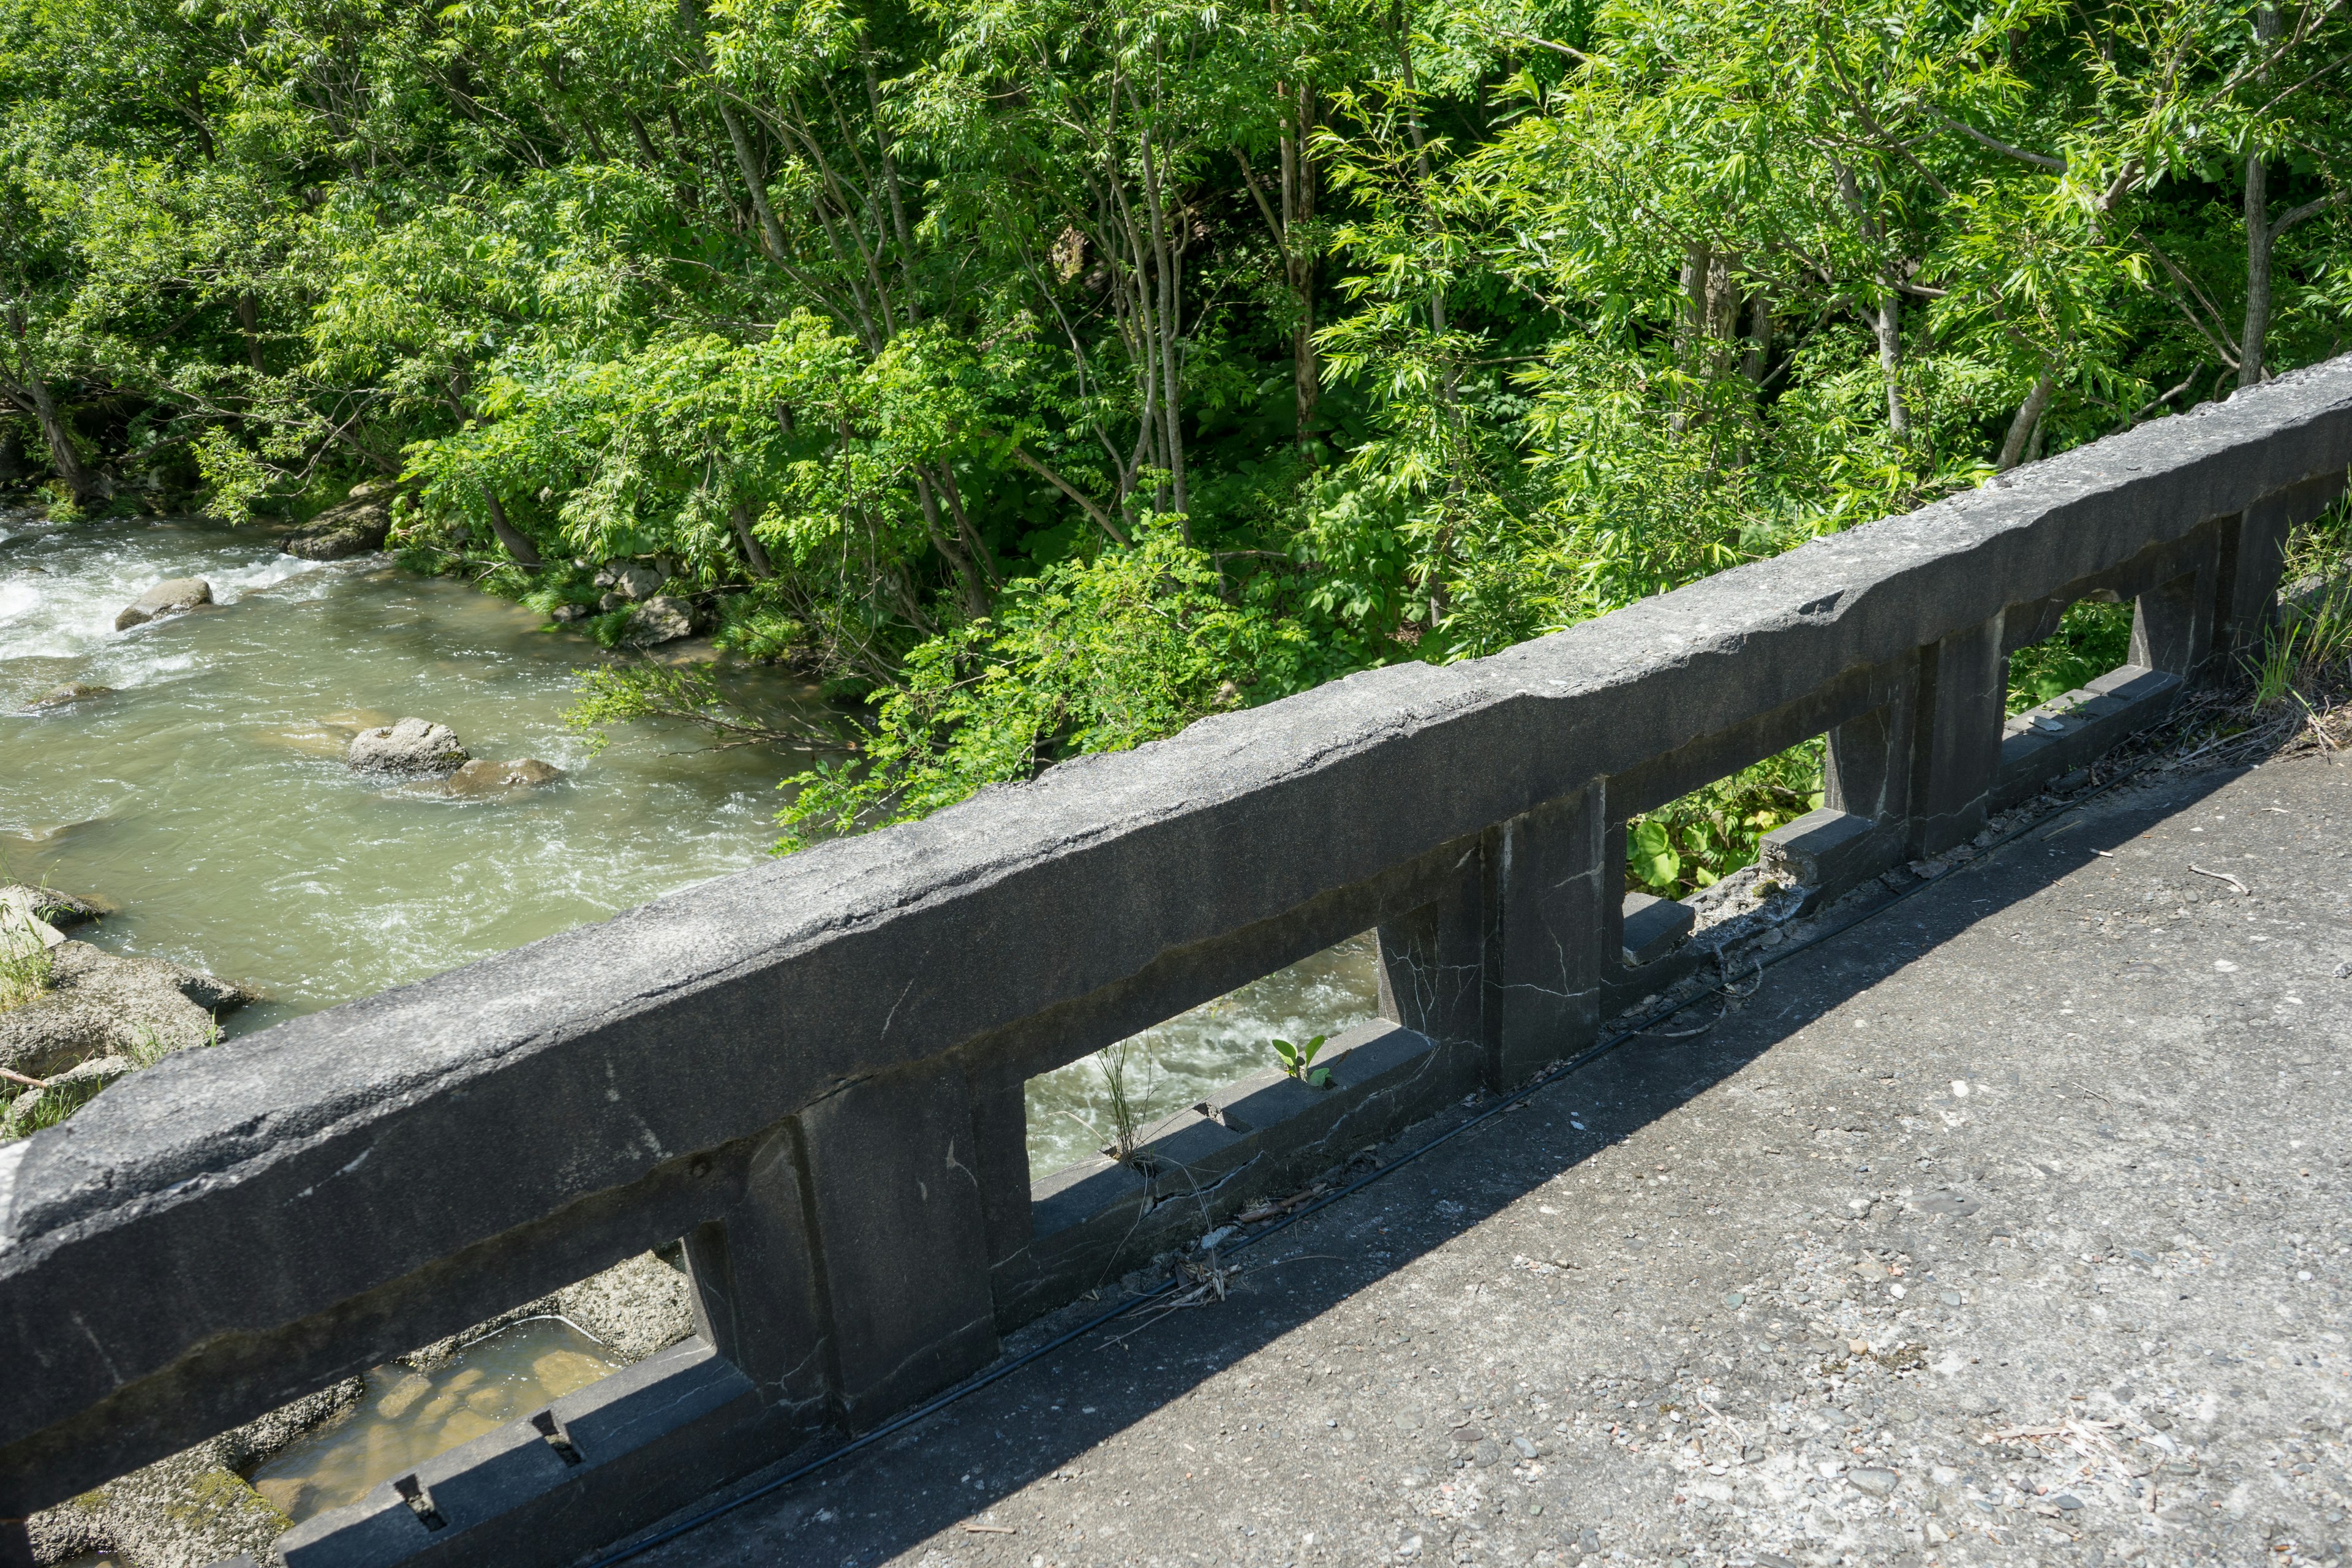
x=755, y=557
x=82, y=484
x=2260, y=235
x=968, y=577
x=517, y=544
x=1171, y=303
x=1298, y=263
x=248, y=321
x=1756, y=362
x=2029, y=418
x=2258, y=274
x=1889, y=326
x=1690, y=332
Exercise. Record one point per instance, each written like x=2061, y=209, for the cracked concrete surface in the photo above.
x=2007, y=1226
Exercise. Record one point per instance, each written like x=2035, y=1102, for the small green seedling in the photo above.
x=1298, y=1061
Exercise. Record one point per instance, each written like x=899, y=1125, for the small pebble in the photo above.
x=1734, y=1298
x=1873, y=1481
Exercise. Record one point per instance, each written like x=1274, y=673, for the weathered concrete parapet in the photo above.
x=812, y=1068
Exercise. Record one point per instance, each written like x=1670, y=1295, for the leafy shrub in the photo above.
x=1087, y=656
x=2091, y=640
x=1698, y=840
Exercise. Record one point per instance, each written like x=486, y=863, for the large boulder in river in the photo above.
x=101, y=1004
x=662, y=619
x=357, y=526
x=414, y=747
x=165, y=599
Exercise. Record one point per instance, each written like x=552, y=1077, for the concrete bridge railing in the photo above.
x=813, y=1071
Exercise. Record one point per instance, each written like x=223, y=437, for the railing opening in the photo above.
x=408, y=1411
x=1111, y=1098
x=409, y=1414
x=2092, y=639
x=1684, y=845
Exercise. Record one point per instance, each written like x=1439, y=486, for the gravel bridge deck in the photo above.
x=2009, y=1227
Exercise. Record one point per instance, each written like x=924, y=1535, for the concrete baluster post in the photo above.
x=895, y=1190
x=1506, y=967
x=2172, y=623
x=1000, y=1126
x=1556, y=899
x=753, y=1276
x=1956, y=746
x=2251, y=558
x=1866, y=768
x=1433, y=962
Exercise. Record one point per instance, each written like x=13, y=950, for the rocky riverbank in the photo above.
x=88, y=1016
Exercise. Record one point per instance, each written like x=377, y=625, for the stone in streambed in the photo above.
x=481, y=778
x=63, y=910
x=415, y=747
x=72, y=691
x=355, y=527
x=165, y=599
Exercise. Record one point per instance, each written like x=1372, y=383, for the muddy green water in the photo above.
x=205, y=793
x=406, y=1417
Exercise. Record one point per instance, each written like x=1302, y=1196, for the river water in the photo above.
x=204, y=793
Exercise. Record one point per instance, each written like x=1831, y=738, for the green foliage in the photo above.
x=25, y=965
x=1697, y=841
x=2299, y=649
x=614, y=694
x=1298, y=1061
x=2092, y=639
x=1061, y=374
x=1087, y=656
x=46, y=1108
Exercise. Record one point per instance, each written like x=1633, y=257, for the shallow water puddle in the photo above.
x=406, y=1417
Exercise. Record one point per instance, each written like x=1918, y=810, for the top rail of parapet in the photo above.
x=444, y=1114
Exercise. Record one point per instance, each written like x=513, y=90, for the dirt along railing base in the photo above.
x=813, y=1071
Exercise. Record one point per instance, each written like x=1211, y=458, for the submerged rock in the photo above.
x=104, y=1005
x=413, y=746
x=662, y=619
x=72, y=691
x=355, y=527
x=481, y=777
x=165, y=599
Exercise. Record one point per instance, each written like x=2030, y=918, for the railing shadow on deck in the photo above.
x=812, y=1070
x=1048, y=1415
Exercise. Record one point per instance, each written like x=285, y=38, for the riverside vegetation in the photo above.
x=1043, y=376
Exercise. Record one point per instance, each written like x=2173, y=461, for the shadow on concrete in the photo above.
x=955, y=1466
